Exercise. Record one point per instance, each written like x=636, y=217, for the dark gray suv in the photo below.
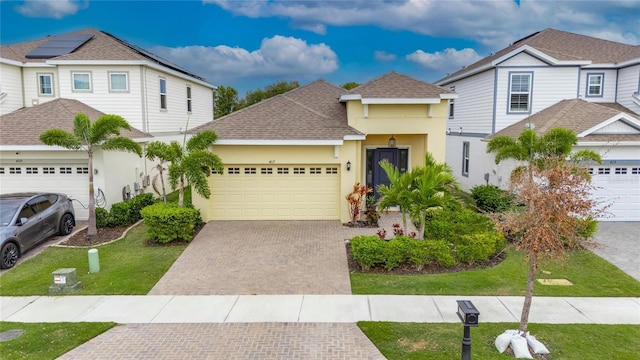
x=27, y=219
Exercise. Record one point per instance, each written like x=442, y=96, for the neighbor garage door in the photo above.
x=283, y=192
x=72, y=179
x=618, y=186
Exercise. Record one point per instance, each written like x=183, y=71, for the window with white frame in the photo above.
x=163, y=93
x=594, y=84
x=520, y=92
x=45, y=84
x=118, y=82
x=465, y=158
x=81, y=81
x=188, y=98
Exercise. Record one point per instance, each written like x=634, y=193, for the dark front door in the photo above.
x=379, y=176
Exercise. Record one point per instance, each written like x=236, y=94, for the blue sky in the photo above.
x=248, y=44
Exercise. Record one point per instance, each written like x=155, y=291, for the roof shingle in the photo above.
x=393, y=85
x=574, y=114
x=24, y=126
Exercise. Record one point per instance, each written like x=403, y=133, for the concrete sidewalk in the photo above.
x=312, y=309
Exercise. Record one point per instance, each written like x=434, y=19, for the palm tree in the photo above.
x=432, y=187
x=164, y=153
x=193, y=162
x=397, y=192
x=104, y=133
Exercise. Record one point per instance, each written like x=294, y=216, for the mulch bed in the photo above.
x=109, y=234
x=354, y=266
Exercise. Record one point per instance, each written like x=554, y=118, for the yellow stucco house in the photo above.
x=297, y=155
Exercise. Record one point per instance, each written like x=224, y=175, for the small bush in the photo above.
x=166, y=223
x=120, y=214
x=397, y=252
x=368, y=251
x=451, y=224
x=102, y=217
x=137, y=203
x=431, y=252
x=478, y=248
x=491, y=199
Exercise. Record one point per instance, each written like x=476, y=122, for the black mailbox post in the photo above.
x=469, y=316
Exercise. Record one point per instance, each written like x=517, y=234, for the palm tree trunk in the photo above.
x=164, y=192
x=528, y=297
x=181, y=192
x=92, y=230
x=404, y=220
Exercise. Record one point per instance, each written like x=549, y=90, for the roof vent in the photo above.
x=59, y=45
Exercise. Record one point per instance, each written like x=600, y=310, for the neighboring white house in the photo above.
x=46, y=81
x=534, y=74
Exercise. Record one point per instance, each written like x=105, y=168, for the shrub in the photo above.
x=479, y=247
x=431, y=252
x=452, y=223
x=120, y=214
x=102, y=217
x=166, y=223
x=397, y=252
x=368, y=251
x=137, y=203
x=491, y=199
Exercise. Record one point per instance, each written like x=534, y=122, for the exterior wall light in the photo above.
x=348, y=165
x=392, y=142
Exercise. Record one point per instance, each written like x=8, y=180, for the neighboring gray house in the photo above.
x=529, y=80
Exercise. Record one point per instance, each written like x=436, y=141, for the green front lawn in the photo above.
x=42, y=341
x=590, y=274
x=127, y=267
x=405, y=341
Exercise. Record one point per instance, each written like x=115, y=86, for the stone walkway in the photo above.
x=619, y=243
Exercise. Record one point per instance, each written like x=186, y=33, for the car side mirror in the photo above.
x=22, y=221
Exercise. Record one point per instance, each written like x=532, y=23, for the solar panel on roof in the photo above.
x=59, y=45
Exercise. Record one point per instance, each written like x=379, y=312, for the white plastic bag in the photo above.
x=520, y=347
x=536, y=345
x=503, y=340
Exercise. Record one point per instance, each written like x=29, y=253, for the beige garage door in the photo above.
x=283, y=192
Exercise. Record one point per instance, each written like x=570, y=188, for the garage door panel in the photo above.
x=618, y=187
x=270, y=193
x=71, y=179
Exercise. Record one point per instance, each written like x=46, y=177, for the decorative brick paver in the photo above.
x=266, y=257
x=229, y=341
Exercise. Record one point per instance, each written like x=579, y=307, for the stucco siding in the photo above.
x=473, y=110
x=628, y=83
x=549, y=85
x=608, y=87
x=11, y=84
x=117, y=169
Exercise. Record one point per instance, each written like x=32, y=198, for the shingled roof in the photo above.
x=24, y=126
x=102, y=46
x=577, y=115
x=310, y=112
x=563, y=46
x=393, y=85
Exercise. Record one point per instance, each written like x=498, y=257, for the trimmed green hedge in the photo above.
x=123, y=213
x=166, y=223
x=372, y=252
x=491, y=199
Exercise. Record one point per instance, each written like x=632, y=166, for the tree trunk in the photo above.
x=528, y=297
x=164, y=192
x=181, y=192
x=404, y=220
x=92, y=230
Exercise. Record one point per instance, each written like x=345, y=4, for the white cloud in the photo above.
x=56, y=9
x=383, y=56
x=446, y=61
x=492, y=23
x=278, y=56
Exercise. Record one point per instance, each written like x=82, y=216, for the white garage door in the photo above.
x=618, y=186
x=283, y=192
x=72, y=179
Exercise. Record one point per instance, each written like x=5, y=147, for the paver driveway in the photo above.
x=262, y=257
